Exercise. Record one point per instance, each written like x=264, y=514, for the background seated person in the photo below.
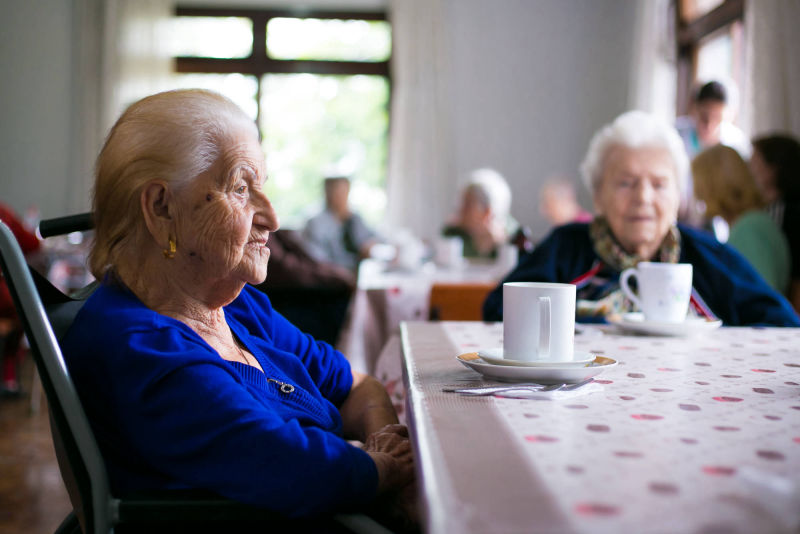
x=11, y=331
x=483, y=219
x=707, y=124
x=633, y=169
x=194, y=381
x=559, y=204
x=313, y=295
x=338, y=235
x=724, y=184
x=775, y=165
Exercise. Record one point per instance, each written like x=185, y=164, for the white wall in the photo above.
x=35, y=110
x=533, y=80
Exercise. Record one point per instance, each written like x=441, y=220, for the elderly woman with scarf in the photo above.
x=634, y=167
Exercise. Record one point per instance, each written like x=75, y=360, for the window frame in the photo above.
x=259, y=64
x=689, y=37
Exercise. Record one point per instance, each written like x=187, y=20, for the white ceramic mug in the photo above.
x=538, y=321
x=664, y=290
x=507, y=257
x=409, y=254
x=449, y=252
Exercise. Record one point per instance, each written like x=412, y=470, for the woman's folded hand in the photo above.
x=390, y=449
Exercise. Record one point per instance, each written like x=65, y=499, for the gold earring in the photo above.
x=169, y=253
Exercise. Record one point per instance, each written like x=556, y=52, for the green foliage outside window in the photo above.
x=316, y=126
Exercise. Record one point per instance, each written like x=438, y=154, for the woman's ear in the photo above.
x=487, y=216
x=154, y=202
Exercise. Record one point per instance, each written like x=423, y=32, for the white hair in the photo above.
x=492, y=189
x=172, y=136
x=634, y=129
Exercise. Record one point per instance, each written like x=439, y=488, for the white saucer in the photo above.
x=495, y=357
x=542, y=375
x=635, y=322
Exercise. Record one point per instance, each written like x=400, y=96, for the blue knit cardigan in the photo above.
x=168, y=412
x=728, y=284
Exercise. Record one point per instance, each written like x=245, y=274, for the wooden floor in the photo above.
x=32, y=497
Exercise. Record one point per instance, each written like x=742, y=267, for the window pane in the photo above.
x=344, y=40
x=715, y=57
x=316, y=126
x=220, y=37
x=240, y=88
x=694, y=9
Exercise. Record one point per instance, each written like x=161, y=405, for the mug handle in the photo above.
x=623, y=284
x=544, y=327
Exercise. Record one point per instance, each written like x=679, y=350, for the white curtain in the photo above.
x=421, y=180
x=136, y=62
x=653, y=75
x=773, y=41
x=87, y=102
x=118, y=57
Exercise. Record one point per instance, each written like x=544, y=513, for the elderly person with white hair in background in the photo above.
x=483, y=218
x=634, y=169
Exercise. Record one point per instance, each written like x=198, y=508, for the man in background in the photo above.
x=337, y=234
x=708, y=124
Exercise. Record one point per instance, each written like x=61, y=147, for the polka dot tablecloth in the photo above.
x=694, y=434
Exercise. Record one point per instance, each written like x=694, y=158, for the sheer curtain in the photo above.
x=421, y=179
x=118, y=57
x=86, y=100
x=773, y=82
x=653, y=75
x=136, y=62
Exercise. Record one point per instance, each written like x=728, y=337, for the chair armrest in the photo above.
x=202, y=511
x=188, y=505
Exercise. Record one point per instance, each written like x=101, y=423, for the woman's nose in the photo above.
x=644, y=191
x=265, y=214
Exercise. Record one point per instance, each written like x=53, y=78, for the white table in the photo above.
x=687, y=435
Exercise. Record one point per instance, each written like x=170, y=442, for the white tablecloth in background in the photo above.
x=384, y=298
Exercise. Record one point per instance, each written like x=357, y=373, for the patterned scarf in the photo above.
x=613, y=255
x=599, y=294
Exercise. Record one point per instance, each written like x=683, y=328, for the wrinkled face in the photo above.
x=225, y=218
x=708, y=116
x=474, y=214
x=638, y=195
x=764, y=176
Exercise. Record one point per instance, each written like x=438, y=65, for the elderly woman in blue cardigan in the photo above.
x=190, y=379
x=635, y=169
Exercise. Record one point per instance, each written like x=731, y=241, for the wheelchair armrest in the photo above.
x=172, y=511
x=189, y=506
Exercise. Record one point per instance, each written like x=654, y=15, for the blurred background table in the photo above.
x=386, y=296
x=688, y=435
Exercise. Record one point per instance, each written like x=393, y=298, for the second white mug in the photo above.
x=664, y=290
